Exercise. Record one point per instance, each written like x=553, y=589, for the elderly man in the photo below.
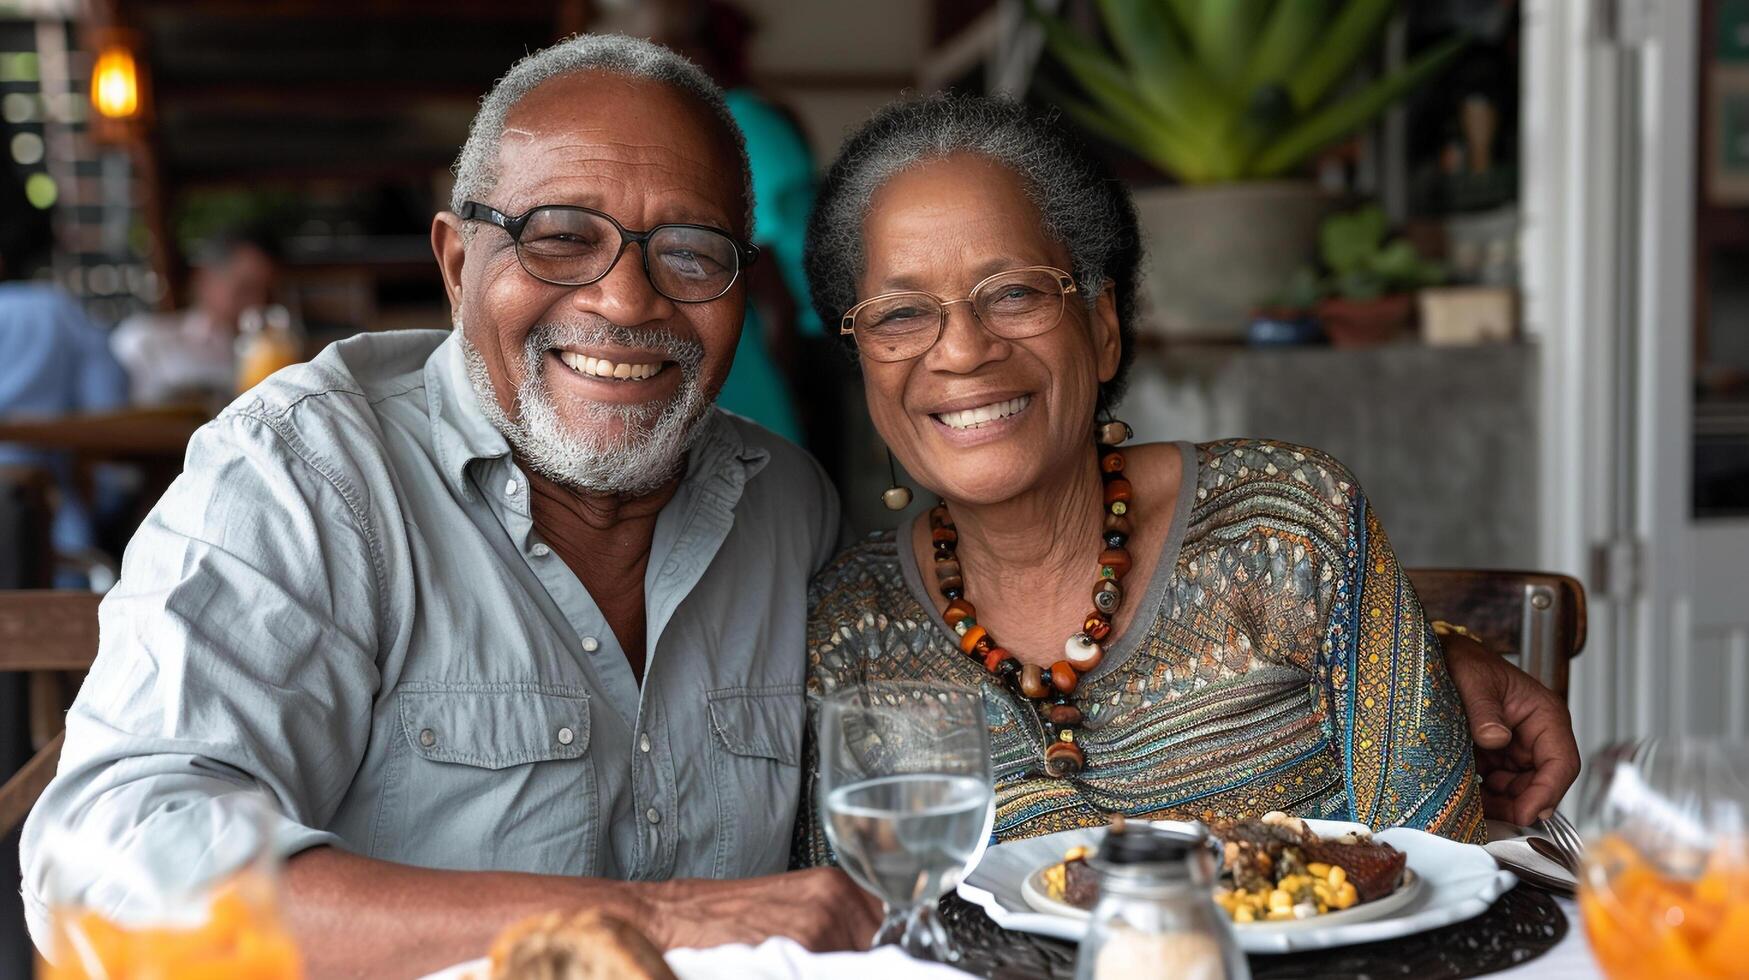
x=508, y=618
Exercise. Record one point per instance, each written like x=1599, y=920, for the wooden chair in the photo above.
x=1535, y=619
x=27, y=555
x=46, y=633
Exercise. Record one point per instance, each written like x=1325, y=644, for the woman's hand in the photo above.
x=1525, y=752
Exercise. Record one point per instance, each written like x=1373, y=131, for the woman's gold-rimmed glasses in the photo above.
x=1014, y=304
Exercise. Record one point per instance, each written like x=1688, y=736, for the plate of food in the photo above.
x=1286, y=884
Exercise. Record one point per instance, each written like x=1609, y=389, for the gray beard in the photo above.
x=652, y=440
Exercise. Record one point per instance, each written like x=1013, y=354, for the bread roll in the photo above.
x=584, y=946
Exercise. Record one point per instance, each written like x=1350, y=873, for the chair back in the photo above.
x=27, y=559
x=1535, y=619
x=43, y=632
x=48, y=629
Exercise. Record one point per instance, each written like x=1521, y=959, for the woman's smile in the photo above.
x=984, y=420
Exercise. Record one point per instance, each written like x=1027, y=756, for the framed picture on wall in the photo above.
x=1727, y=158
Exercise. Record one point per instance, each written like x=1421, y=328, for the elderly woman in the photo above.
x=1159, y=628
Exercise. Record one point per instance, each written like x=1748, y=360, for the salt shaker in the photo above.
x=1156, y=917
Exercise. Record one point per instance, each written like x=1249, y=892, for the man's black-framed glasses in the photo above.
x=572, y=246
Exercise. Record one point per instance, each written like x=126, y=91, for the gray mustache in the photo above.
x=685, y=351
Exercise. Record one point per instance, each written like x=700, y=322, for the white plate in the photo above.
x=1037, y=895
x=1458, y=881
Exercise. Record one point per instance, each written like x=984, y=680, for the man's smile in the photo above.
x=601, y=367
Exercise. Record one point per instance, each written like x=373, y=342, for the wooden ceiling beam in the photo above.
x=487, y=10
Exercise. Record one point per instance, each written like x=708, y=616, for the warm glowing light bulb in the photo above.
x=115, y=85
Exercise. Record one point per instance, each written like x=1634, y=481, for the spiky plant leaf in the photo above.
x=1340, y=47
x=1318, y=130
x=1288, y=37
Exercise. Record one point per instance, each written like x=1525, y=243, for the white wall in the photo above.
x=834, y=62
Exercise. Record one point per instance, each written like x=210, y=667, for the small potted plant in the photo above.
x=1290, y=317
x=1372, y=279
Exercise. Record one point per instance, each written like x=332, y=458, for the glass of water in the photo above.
x=906, y=799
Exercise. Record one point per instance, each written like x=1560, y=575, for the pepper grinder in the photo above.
x=1156, y=918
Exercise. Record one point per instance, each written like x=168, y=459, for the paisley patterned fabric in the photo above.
x=1286, y=665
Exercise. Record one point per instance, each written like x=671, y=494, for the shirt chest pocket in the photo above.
x=756, y=748
x=496, y=776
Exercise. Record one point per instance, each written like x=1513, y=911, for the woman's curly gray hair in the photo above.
x=1079, y=203
x=476, y=169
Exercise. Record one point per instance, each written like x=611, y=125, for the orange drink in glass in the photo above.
x=199, y=906
x=1664, y=889
x=239, y=939
x=268, y=342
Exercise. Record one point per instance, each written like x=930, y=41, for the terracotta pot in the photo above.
x=1366, y=322
x=1217, y=252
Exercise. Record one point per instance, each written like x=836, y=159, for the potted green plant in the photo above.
x=1370, y=289
x=1231, y=98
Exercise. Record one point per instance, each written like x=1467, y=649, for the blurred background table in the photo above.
x=143, y=435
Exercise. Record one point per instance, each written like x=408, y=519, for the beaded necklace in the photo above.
x=1050, y=690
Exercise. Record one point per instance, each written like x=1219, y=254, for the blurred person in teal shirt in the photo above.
x=761, y=386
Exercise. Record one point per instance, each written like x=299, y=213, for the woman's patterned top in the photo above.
x=1286, y=665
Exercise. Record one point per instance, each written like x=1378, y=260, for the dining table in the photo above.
x=152, y=440
x=127, y=435
x=1527, y=935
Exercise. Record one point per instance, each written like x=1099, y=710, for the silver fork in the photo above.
x=1565, y=839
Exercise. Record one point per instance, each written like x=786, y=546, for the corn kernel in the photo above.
x=1244, y=914
x=1280, y=899
x=1338, y=876
x=1319, y=868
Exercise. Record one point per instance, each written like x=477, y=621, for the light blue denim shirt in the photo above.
x=342, y=601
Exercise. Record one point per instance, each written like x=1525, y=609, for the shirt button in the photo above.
x=591, y=644
x=644, y=743
x=511, y=486
x=565, y=736
x=541, y=550
x=428, y=738
x=653, y=815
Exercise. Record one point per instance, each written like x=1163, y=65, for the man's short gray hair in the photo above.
x=476, y=170
x=1080, y=204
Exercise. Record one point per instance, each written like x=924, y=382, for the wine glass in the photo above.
x=1664, y=886
x=906, y=799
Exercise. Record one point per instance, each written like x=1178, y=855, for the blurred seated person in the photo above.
x=761, y=386
x=190, y=355
x=57, y=360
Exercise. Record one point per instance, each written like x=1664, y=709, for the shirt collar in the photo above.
x=460, y=432
x=719, y=464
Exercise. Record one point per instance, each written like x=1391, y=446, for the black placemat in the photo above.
x=1524, y=924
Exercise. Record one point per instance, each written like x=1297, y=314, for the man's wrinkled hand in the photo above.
x=820, y=908
x=1525, y=751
